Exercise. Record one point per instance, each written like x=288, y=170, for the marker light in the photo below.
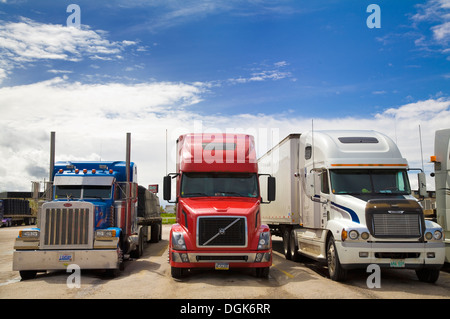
x=77, y=171
x=84, y=171
x=343, y=235
x=94, y=171
x=110, y=171
x=60, y=171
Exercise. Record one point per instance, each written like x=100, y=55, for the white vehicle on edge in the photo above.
x=344, y=198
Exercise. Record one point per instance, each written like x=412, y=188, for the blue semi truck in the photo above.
x=98, y=217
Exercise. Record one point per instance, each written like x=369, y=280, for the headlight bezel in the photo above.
x=178, y=242
x=105, y=233
x=264, y=241
x=29, y=234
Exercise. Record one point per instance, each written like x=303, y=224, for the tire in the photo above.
x=178, y=272
x=262, y=272
x=286, y=243
x=335, y=270
x=428, y=275
x=155, y=233
x=27, y=274
x=295, y=256
x=139, y=251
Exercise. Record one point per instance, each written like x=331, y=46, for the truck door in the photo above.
x=325, y=200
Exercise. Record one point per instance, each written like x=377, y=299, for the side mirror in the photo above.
x=271, y=188
x=167, y=186
x=422, y=184
x=310, y=185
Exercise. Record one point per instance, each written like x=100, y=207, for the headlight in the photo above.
x=437, y=235
x=102, y=233
x=365, y=235
x=353, y=234
x=178, y=241
x=264, y=241
x=28, y=233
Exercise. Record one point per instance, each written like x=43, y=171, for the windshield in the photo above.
x=82, y=191
x=369, y=181
x=219, y=184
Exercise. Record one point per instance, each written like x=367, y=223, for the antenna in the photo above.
x=312, y=141
x=421, y=152
x=166, y=152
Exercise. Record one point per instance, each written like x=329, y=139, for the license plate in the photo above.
x=65, y=258
x=397, y=263
x=222, y=266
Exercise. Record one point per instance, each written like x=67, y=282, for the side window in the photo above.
x=324, y=188
x=308, y=152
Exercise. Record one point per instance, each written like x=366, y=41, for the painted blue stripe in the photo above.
x=348, y=210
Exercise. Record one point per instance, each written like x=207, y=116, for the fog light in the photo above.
x=428, y=236
x=365, y=236
x=184, y=258
x=259, y=257
x=430, y=255
x=363, y=254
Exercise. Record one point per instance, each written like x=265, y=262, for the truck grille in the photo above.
x=67, y=227
x=395, y=218
x=223, y=231
x=402, y=225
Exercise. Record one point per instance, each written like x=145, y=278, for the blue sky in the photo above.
x=150, y=66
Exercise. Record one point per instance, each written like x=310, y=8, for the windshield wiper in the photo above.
x=93, y=196
x=231, y=193
x=195, y=194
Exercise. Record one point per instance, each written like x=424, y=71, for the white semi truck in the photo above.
x=441, y=161
x=344, y=198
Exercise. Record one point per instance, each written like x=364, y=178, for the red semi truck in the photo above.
x=218, y=205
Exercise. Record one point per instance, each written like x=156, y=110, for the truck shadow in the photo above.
x=130, y=267
x=392, y=280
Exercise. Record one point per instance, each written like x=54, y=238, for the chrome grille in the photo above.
x=396, y=225
x=67, y=227
x=225, y=231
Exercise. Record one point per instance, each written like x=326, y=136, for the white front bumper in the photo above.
x=60, y=259
x=430, y=255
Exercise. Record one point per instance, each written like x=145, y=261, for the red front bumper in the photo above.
x=210, y=259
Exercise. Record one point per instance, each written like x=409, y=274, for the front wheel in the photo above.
x=286, y=242
x=27, y=274
x=427, y=275
x=262, y=272
x=335, y=270
x=178, y=272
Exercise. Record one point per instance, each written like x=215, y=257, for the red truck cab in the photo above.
x=218, y=205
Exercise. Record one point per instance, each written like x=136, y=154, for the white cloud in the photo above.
x=28, y=41
x=435, y=12
x=91, y=121
x=264, y=73
x=442, y=32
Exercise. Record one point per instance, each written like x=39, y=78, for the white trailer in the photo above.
x=441, y=161
x=343, y=197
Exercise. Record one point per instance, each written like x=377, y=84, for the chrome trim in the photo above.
x=222, y=231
